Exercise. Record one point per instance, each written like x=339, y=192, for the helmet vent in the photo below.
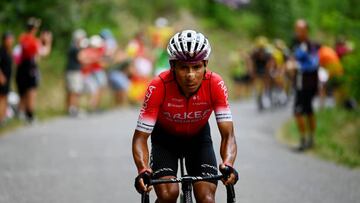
x=196, y=45
x=189, y=45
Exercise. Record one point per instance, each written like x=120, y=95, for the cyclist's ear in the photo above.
x=172, y=64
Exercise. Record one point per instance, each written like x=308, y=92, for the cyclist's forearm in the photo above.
x=228, y=147
x=140, y=150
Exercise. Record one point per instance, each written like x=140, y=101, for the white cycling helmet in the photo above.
x=189, y=46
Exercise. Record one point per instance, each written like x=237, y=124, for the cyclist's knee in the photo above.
x=205, y=198
x=167, y=194
x=205, y=193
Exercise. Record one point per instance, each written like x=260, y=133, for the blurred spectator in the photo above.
x=342, y=47
x=306, y=83
x=28, y=75
x=7, y=41
x=93, y=71
x=74, y=78
x=330, y=74
x=110, y=43
x=117, y=66
x=260, y=63
x=160, y=34
x=279, y=82
x=136, y=46
x=119, y=81
x=240, y=73
x=143, y=68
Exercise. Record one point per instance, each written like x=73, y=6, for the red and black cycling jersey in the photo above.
x=165, y=105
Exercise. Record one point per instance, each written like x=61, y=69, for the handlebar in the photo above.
x=191, y=179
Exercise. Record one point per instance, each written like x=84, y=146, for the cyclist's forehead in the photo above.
x=189, y=64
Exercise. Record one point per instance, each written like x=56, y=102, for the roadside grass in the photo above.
x=337, y=136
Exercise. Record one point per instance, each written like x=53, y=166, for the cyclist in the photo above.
x=175, y=112
x=280, y=54
x=260, y=64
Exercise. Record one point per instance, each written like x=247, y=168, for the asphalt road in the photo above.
x=89, y=160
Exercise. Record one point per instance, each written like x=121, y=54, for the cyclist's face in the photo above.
x=189, y=75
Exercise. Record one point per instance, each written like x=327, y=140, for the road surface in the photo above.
x=89, y=160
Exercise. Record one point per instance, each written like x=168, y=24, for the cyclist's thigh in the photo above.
x=163, y=161
x=200, y=158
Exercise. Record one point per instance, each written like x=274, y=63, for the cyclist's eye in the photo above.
x=197, y=67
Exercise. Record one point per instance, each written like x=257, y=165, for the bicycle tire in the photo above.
x=187, y=197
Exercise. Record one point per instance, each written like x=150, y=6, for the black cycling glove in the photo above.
x=146, y=176
x=227, y=171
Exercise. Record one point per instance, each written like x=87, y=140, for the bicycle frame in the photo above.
x=186, y=186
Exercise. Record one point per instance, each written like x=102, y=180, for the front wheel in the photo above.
x=186, y=189
x=186, y=197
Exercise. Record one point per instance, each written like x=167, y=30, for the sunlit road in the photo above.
x=89, y=160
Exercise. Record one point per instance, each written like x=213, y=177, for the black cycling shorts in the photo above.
x=197, y=151
x=27, y=76
x=303, y=102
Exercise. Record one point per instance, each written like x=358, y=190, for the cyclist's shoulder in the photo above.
x=213, y=76
x=161, y=80
x=165, y=76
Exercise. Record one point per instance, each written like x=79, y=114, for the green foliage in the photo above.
x=59, y=16
x=352, y=76
x=273, y=18
x=249, y=24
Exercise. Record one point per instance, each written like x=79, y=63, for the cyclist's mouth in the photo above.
x=191, y=86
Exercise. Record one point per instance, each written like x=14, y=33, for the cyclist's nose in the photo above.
x=191, y=73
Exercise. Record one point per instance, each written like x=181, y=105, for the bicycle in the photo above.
x=186, y=185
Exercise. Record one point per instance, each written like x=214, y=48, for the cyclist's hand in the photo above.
x=231, y=176
x=142, y=182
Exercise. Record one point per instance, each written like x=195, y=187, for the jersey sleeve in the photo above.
x=152, y=102
x=219, y=98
